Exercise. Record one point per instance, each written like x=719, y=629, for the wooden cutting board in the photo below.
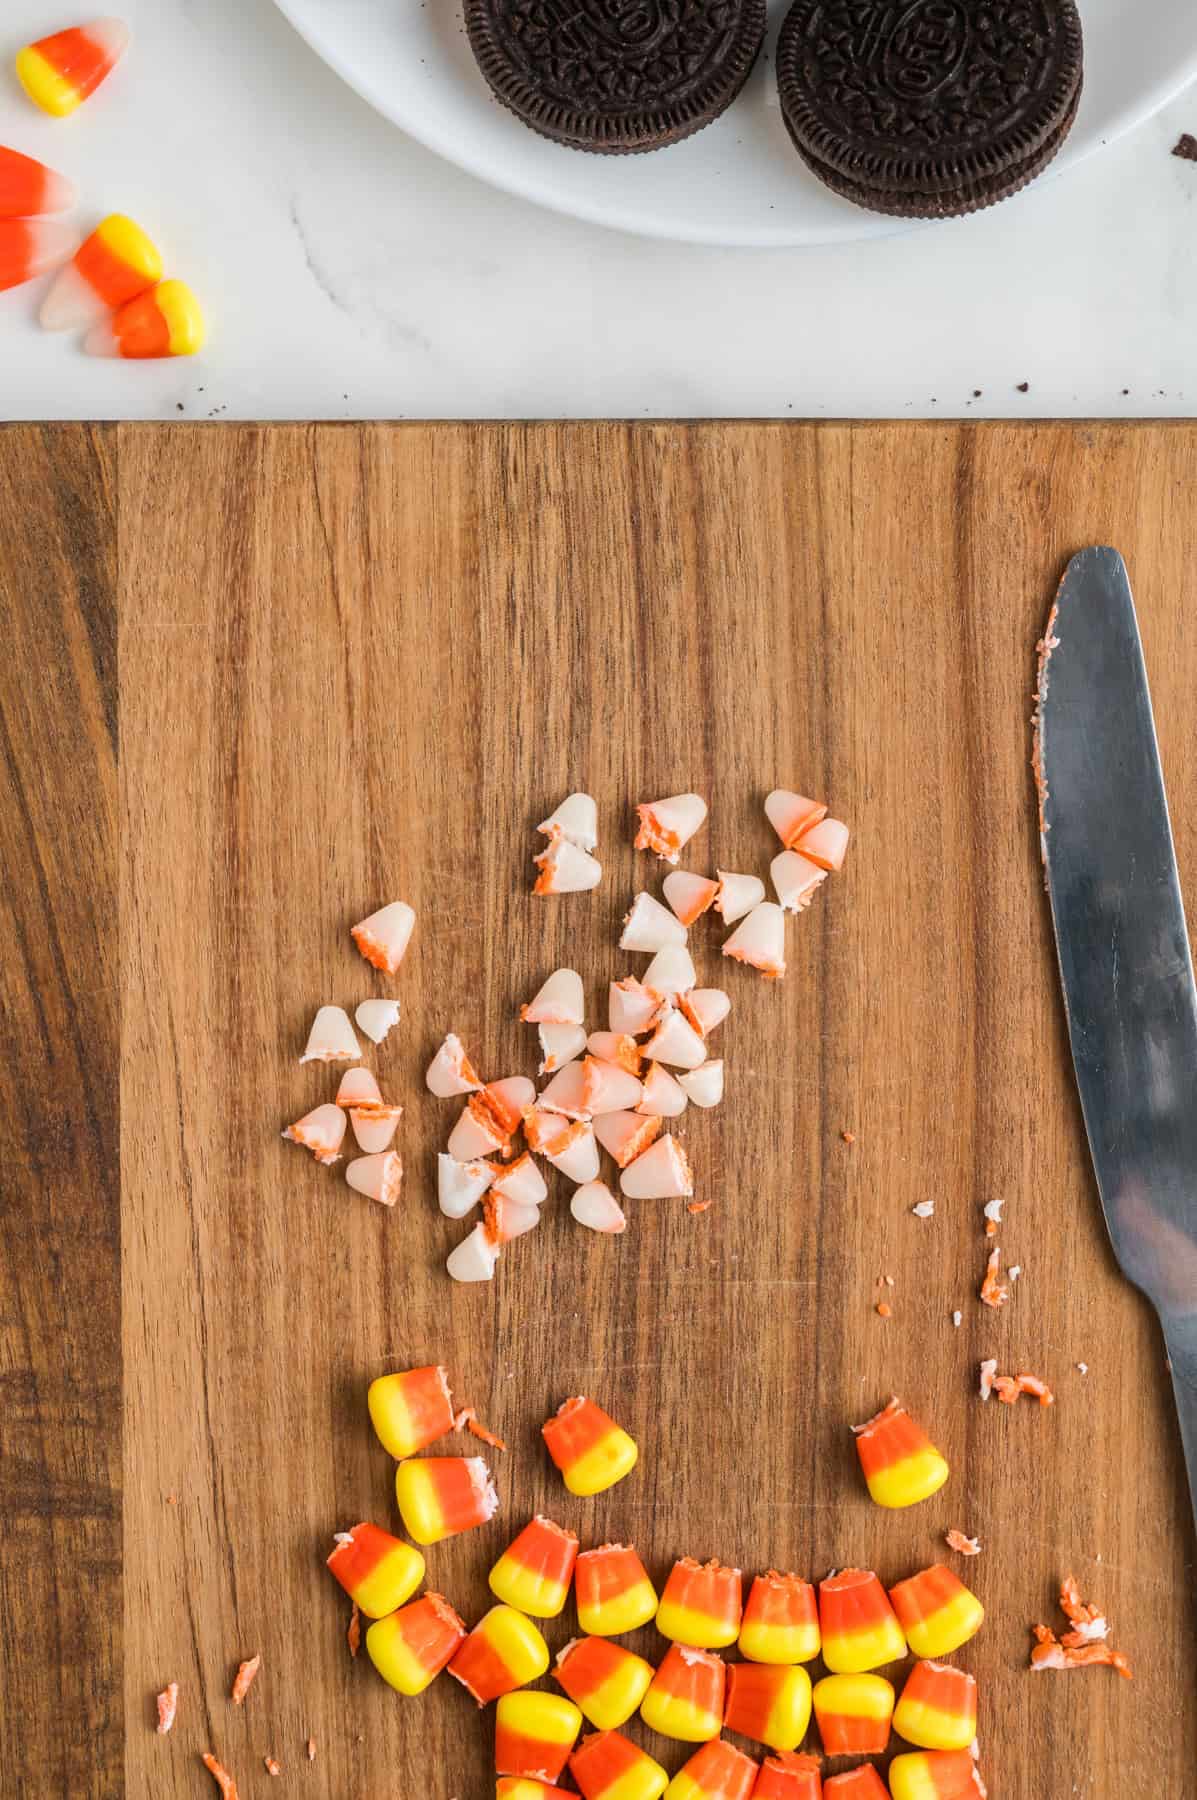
x=360, y=663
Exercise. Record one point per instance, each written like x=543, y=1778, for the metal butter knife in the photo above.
x=1124, y=953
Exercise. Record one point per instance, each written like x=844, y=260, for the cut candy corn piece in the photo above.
x=504, y=1220
x=938, y=1707
x=28, y=189
x=901, y=1465
x=859, y=1627
x=559, y=1044
x=534, y=1734
x=376, y=1018
x=383, y=937
x=521, y=1181
x=648, y=926
x=737, y=895
x=792, y=814
x=374, y=1126
x=115, y=264
x=534, y=1572
x=704, y=1086
x=631, y=1007
x=675, y=1041
x=545, y=1130
x=685, y=1698
x=451, y=1071
x=59, y=72
x=442, y=1496
x=659, y=1173
x=358, y=1088
x=411, y=1647
x=508, y=1100
x=566, y=1092
x=411, y=1409
x=460, y=1186
x=576, y=819
x=705, y=1008
x=609, y=1089
x=701, y=1604
x=671, y=971
x=321, y=1131
x=594, y=1205
x=331, y=1038
x=936, y=1611
x=377, y=1177
x=663, y=1097
x=768, y=1703
x=477, y=1132
x=29, y=247
x=781, y=1620
x=795, y=880
x=474, y=1258
x=861, y=1783
x=378, y=1572
x=716, y=1771
x=564, y=869
x=612, y=1591
x=560, y=1001
x=607, y=1681
x=854, y=1713
x=825, y=844
x=626, y=1135
x=935, y=1775
x=165, y=321
x=666, y=826
x=590, y=1449
x=789, y=1777
x=608, y=1766
x=523, y=1787
x=618, y=1047
x=576, y=1154
x=689, y=895
x=760, y=939
x=504, y=1651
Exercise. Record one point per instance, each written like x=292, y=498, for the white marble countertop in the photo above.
x=349, y=273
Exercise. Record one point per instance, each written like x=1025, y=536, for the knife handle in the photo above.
x=1180, y=1337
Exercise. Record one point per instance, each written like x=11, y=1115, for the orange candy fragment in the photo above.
x=789, y=1777
x=863, y=1783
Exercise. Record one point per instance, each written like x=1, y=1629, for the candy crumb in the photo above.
x=994, y=1291
x=988, y=1375
x=172, y=1499
x=1009, y=1388
x=311, y=1749
x=993, y=1216
x=353, y=1637
x=168, y=1706
x=924, y=1209
x=849, y=1137
x=244, y=1679
x=272, y=1767
x=884, y=1309
x=957, y=1318
x=468, y=1418
x=1082, y=1368
x=220, y=1775
x=963, y=1545
x=1015, y=1271
x=697, y=1206
x=1084, y=1646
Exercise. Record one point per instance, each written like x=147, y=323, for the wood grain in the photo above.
x=361, y=663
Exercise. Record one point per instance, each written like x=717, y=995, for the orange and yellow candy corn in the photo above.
x=769, y=1703
x=859, y=1626
x=901, y=1465
x=862, y=1783
x=59, y=72
x=608, y=1766
x=534, y=1571
x=935, y=1775
x=781, y=1620
x=789, y=1778
x=411, y=1647
x=378, y=1572
x=718, y=1771
x=854, y=1713
x=30, y=247
x=938, y=1707
x=410, y=1410
x=589, y=1448
x=115, y=264
x=520, y=1787
x=503, y=1652
x=165, y=321
x=612, y=1591
x=701, y=1604
x=534, y=1734
x=685, y=1697
x=607, y=1681
x=440, y=1496
x=28, y=189
x=937, y=1612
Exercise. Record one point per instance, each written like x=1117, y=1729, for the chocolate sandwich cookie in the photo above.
x=616, y=75
x=928, y=109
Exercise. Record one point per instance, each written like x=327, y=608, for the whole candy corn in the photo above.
x=165, y=321
x=29, y=247
x=717, y=1771
x=29, y=189
x=685, y=1698
x=935, y=1775
x=937, y=1612
x=520, y=1787
x=789, y=1777
x=589, y=1448
x=768, y=1703
x=115, y=264
x=378, y=1572
x=860, y=1629
x=534, y=1571
x=503, y=1652
x=854, y=1713
x=607, y=1681
x=59, y=72
x=781, y=1620
x=534, y=1734
x=901, y=1465
x=612, y=1591
x=701, y=1604
x=608, y=1766
x=410, y=1647
x=862, y=1783
x=938, y=1707
x=411, y=1409
x=440, y=1496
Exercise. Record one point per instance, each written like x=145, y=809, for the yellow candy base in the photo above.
x=184, y=319
x=647, y=1781
x=516, y=1787
x=418, y=1504
x=789, y=1715
x=392, y=1583
x=44, y=85
x=130, y=245
x=549, y=1718
x=698, y=1629
x=627, y=1612
x=851, y=1653
x=680, y=1719
x=909, y=1779
x=616, y=1699
x=947, y=1628
x=779, y=1644
x=394, y=1661
x=526, y=1590
x=684, y=1787
x=613, y=1457
x=907, y=1482
x=931, y=1728
x=517, y=1642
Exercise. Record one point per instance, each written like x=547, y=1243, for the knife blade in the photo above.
x=1123, y=948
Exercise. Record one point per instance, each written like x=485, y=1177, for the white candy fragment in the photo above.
x=663, y=1097
x=649, y=926
x=689, y=895
x=508, y=1219
x=992, y=1210
x=795, y=880
x=460, y=1185
x=631, y=1007
x=660, y=1173
x=608, y=1088
x=377, y=1017
x=321, y=1131
x=705, y=1008
x=383, y=937
x=564, y=869
x=675, y=1041
x=792, y=814
x=575, y=819
x=671, y=971
x=595, y=1206
x=826, y=844
x=566, y=1093
x=988, y=1371
x=331, y=1038
x=521, y=1181
x=924, y=1210
x=559, y=1002
x=705, y=1085
x=378, y=1177
x=451, y=1071
x=576, y=1154
x=760, y=939
x=374, y=1126
x=667, y=826
x=559, y=1044
x=474, y=1258
x=624, y=1135
x=737, y=895
x=475, y=1134
x=358, y=1088
x=618, y=1047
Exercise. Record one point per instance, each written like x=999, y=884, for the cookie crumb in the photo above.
x=1023, y=387
x=1186, y=147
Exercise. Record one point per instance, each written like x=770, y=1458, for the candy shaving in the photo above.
x=961, y=1544
x=221, y=1776
x=994, y=1291
x=353, y=1636
x=468, y=1420
x=1084, y=1645
x=272, y=1766
x=244, y=1680
x=168, y=1705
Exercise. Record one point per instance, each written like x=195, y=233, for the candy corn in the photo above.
x=935, y=1775
x=689, y=895
x=411, y=1410
x=671, y=971
x=534, y=1734
x=938, y=1707
x=704, y=1086
x=441, y=1496
x=503, y=1652
x=607, y=1681
x=595, y=1206
x=461, y=1185
x=936, y=1611
x=795, y=880
x=505, y=1219
x=589, y=1448
x=701, y=1604
x=565, y=869
x=789, y=1778
x=559, y=1001
x=383, y=937
x=29, y=247
x=737, y=895
x=901, y=1465
x=685, y=1697
x=649, y=926
x=608, y=1089
x=781, y=1620
x=717, y=1771
x=410, y=1647
x=29, y=189
x=612, y=1591
x=826, y=844
x=662, y=1172
x=576, y=1152
x=627, y=1135
x=331, y=1038
x=559, y=1044
x=576, y=819
x=165, y=321
x=862, y=1783
x=534, y=1572
x=705, y=1008
x=760, y=940
x=608, y=1766
x=667, y=826
x=59, y=72
x=854, y=1713
x=378, y=1572
x=115, y=264
x=521, y=1181
x=358, y=1088
x=451, y=1071
x=859, y=1627
x=768, y=1703
x=322, y=1131
x=521, y=1787
x=676, y=1042
x=474, y=1259
x=376, y=1018
x=632, y=1007
x=792, y=815
x=378, y=1177
x=374, y=1127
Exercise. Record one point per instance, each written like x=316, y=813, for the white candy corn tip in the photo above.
x=564, y=869
x=618, y=1047
x=331, y=1038
x=608, y=1088
x=49, y=244
x=577, y=1153
x=374, y=1126
x=567, y=1092
x=660, y=1173
x=559, y=1044
x=795, y=880
x=474, y=1259
x=704, y=1086
x=58, y=194
x=664, y=1097
x=450, y=1072
x=675, y=1041
x=378, y=1177
x=737, y=895
x=376, y=1018
x=760, y=939
x=595, y=1206
x=521, y=1181
x=624, y=1135
x=791, y=814
x=474, y=1135
x=544, y=1130
x=826, y=844
x=322, y=1131
x=689, y=895
x=671, y=971
x=507, y=1220
x=560, y=1001
x=71, y=302
x=705, y=1008
x=460, y=1185
x=358, y=1088
x=112, y=35
x=383, y=937
x=631, y=1007
x=576, y=819
x=667, y=826
x=649, y=926
x=102, y=340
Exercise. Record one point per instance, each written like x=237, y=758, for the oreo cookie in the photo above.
x=616, y=76
x=929, y=109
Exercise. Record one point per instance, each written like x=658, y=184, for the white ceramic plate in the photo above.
x=739, y=181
